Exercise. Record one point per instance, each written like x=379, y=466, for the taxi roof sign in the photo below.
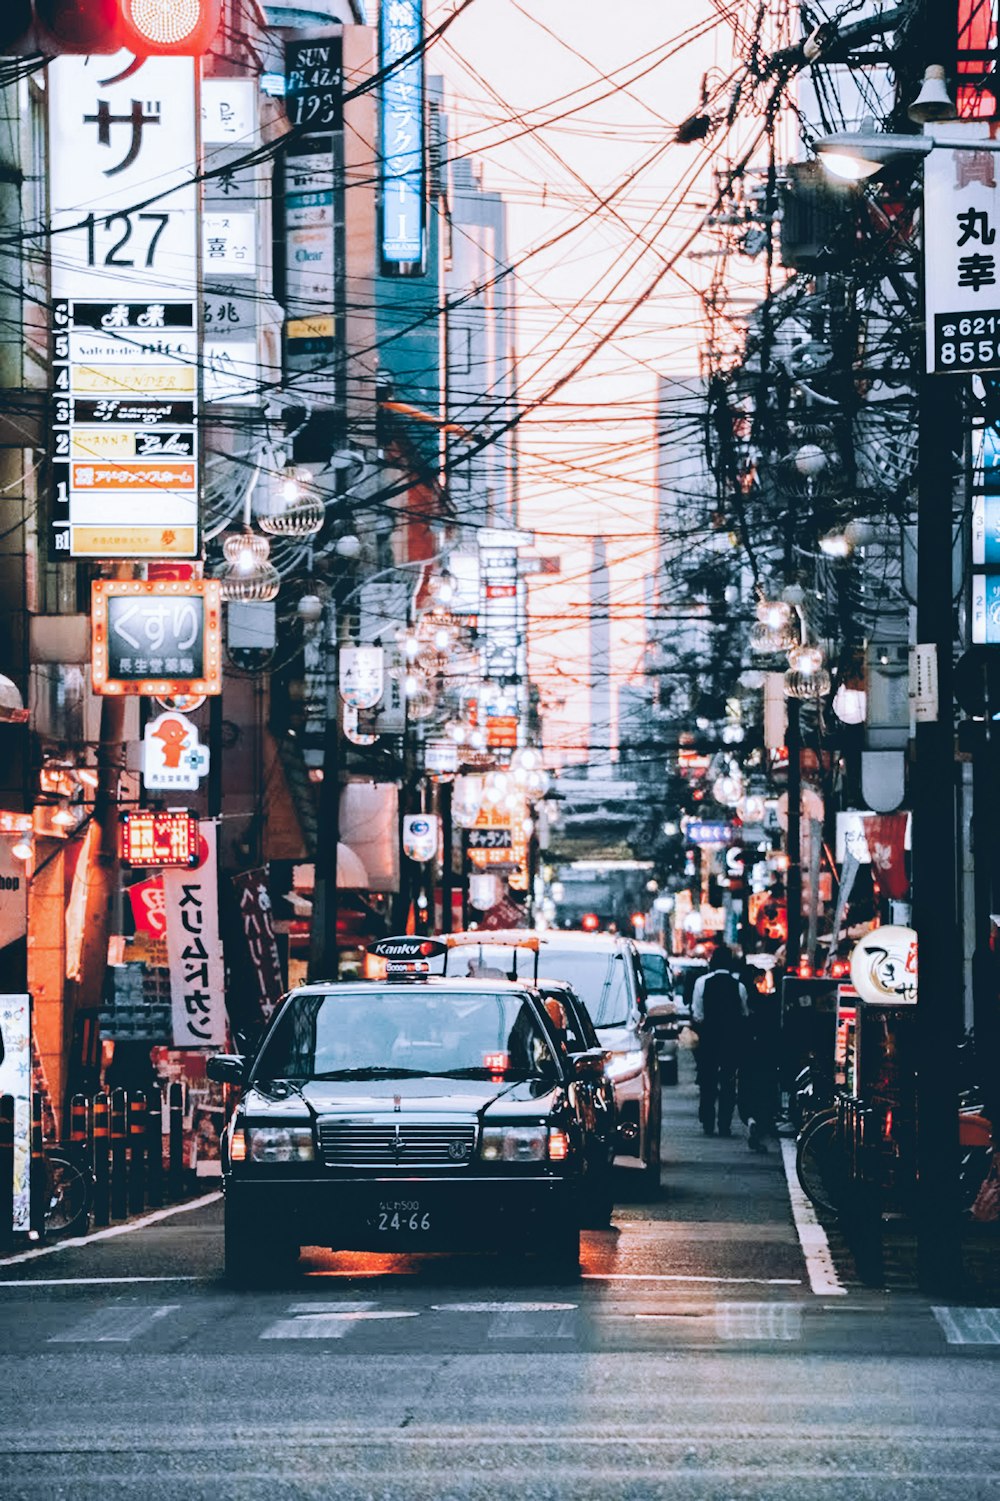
x=408, y=947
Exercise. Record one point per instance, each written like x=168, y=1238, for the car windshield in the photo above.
x=657, y=972
x=405, y=1032
x=597, y=976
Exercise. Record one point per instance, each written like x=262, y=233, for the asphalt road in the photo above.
x=692, y=1359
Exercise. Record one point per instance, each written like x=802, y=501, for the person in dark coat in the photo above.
x=719, y=1012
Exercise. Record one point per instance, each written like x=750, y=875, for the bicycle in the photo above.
x=68, y=1192
x=819, y=1164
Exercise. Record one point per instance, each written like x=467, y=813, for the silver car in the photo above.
x=605, y=971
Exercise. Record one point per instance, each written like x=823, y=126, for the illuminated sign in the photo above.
x=156, y=637
x=401, y=35
x=151, y=836
x=125, y=336
x=173, y=758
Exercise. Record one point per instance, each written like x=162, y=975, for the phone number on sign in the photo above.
x=968, y=341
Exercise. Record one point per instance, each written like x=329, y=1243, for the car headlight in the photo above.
x=520, y=1144
x=280, y=1143
x=624, y=1065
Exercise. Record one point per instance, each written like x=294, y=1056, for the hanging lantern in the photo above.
x=299, y=511
x=776, y=629
x=806, y=676
x=247, y=576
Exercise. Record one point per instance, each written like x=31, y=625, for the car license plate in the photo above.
x=401, y=1216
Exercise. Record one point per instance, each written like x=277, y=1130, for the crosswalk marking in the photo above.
x=969, y=1326
x=758, y=1321
x=511, y=1320
x=115, y=1324
x=329, y=1320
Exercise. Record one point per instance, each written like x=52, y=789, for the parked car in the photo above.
x=661, y=1004
x=407, y=1114
x=605, y=972
x=601, y=1111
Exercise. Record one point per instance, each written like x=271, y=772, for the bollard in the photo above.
x=154, y=1149
x=78, y=1123
x=175, y=1174
x=137, y=1153
x=119, y=1154
x=6, y=1169
x=102, y=1166
x=39, y=1176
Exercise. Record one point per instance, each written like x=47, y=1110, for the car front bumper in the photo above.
x=404, y=1214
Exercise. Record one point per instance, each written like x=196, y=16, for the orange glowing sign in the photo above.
x=157, y=637
x=151, y=836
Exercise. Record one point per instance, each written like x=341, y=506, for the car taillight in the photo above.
x=238, y=1147
x=558, y=1146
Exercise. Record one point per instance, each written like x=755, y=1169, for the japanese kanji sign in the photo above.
x=194, y=950
x=962, y=254
x=401, y=31
x=125, y=338
x=155, y=836
x=173, y=757
x=258, y=929
x=159, y=637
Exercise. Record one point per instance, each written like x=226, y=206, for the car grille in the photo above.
x=394, y=1143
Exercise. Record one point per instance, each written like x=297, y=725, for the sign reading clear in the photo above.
x=125, y=336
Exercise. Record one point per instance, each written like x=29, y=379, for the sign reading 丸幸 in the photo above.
x=125, y=337
x=194, y=950
x=361, y=676
x=961, y=254
x=173, y=758
x=401, y=32
x=420, y=836
x=156, y=637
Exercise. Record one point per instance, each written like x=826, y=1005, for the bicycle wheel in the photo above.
x=67, y=1196
x=818, y=1164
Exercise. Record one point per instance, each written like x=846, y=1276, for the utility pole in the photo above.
x=793, y=875
x=323, y=956
x=933, y=796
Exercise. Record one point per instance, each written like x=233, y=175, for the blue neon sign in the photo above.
x=401, y=32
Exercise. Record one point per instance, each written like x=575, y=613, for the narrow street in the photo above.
x=691, y=1359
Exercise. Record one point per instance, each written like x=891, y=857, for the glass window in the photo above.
x=657, y=972
x=405, y=1032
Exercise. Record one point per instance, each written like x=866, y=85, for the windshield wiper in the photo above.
x=477, y=1071
x=373, y=1073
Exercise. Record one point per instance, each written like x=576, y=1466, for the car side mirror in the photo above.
x=589, y=1065
x=226, y=1068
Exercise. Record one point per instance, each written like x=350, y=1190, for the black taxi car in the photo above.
x=407, y=1114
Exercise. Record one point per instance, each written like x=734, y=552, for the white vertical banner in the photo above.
x=15, y=1079
x=194, y=949
x=962, y=253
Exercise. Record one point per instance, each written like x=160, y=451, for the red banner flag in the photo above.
x=885, y=833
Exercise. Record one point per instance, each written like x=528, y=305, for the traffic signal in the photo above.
x=146, y=28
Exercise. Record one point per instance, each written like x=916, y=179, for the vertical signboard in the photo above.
x=125, y=336
x=258, y=929
x=498, y=622
x=194, y=950
x=961, y=254
x=401, y=66
x=314, y=216
x=230, y=224
x=15, y=1079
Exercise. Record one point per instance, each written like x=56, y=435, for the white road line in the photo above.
x=823, y=1277
x=758, y=1321
x=330, y=1320
x=684, y=1277
x=503, y=1307
x=112, y=1231
x=114, y=1325
x=91, y=1281
x=969, y=1326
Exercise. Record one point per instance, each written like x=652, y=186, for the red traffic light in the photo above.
x=178, y=28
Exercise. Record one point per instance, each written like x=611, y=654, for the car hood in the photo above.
x=430, y=1096
x=619, y=1039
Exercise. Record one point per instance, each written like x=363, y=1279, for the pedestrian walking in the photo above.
x=758, y=1089
x=719, y=1013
